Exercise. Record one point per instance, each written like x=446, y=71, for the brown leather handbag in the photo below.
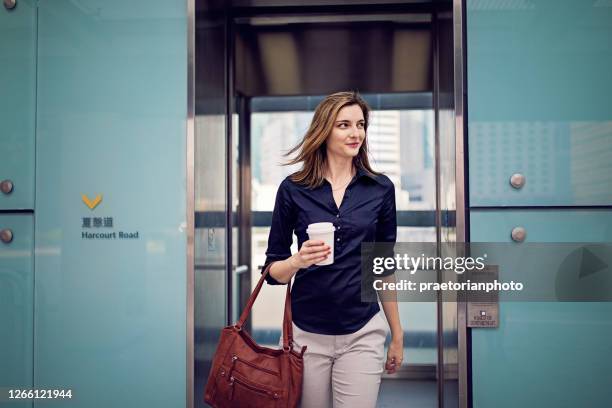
x=245, y=374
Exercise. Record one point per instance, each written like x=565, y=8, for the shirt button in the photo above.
x=338, y=240
x=338, y=215
x=338, y=227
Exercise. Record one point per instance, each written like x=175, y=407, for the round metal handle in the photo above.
x=6, y=235
x=517, y=180
x=10, y=4
x=518, y=234
x=6, y=186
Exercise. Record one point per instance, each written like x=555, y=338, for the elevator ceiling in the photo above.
x=321, y=54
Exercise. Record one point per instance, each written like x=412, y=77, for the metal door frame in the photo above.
x=462, y=216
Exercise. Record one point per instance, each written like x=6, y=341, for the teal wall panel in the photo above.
x=18, y=103
x=112, y=106
x=17, y=140
x=539, y=91
x=594, y=225
x=16, y=305
x=544, y=354
x=538, y=104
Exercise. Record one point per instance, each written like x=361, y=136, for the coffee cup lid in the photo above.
x=320, y=227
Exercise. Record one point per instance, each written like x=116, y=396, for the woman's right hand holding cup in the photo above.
x=311, y=252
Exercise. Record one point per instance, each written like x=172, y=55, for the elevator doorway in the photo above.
x=261, y=69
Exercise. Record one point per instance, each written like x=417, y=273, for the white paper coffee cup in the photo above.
x=323, y=231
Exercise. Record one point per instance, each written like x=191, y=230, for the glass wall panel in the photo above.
x=539, y=102
x=539, y=90
x=110, y=211
x=542, y=345
x=17, y=146
x=16, y=306
x=18, y=103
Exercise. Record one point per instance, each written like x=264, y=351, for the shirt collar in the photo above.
x=361, y=172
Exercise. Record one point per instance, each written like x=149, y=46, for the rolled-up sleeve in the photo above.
x=281, y=230
x=386, y=230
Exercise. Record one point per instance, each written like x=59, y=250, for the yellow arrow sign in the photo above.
x=91, y=204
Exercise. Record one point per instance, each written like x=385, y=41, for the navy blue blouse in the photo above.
x=327, y=299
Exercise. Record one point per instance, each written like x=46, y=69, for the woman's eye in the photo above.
x=346, y=125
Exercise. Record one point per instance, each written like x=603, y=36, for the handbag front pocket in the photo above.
x=251, y=395
x=237, y=362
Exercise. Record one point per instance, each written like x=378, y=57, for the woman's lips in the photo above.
x=353, y=145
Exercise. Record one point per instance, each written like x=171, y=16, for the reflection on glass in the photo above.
x=210, y=159
x=210, y=300
x=272, y=135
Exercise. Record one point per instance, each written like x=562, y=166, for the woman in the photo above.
x=345, y=336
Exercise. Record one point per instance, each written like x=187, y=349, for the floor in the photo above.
x=415, y=394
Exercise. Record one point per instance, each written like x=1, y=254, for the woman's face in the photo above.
x=348, y=132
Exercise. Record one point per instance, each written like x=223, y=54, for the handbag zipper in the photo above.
x=270, y=394
x=236, y=359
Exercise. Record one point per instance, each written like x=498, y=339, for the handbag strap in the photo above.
x=287, y=319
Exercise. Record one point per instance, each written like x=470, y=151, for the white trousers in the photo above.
x=345, y=370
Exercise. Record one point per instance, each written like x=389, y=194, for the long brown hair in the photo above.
x=312, y=150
